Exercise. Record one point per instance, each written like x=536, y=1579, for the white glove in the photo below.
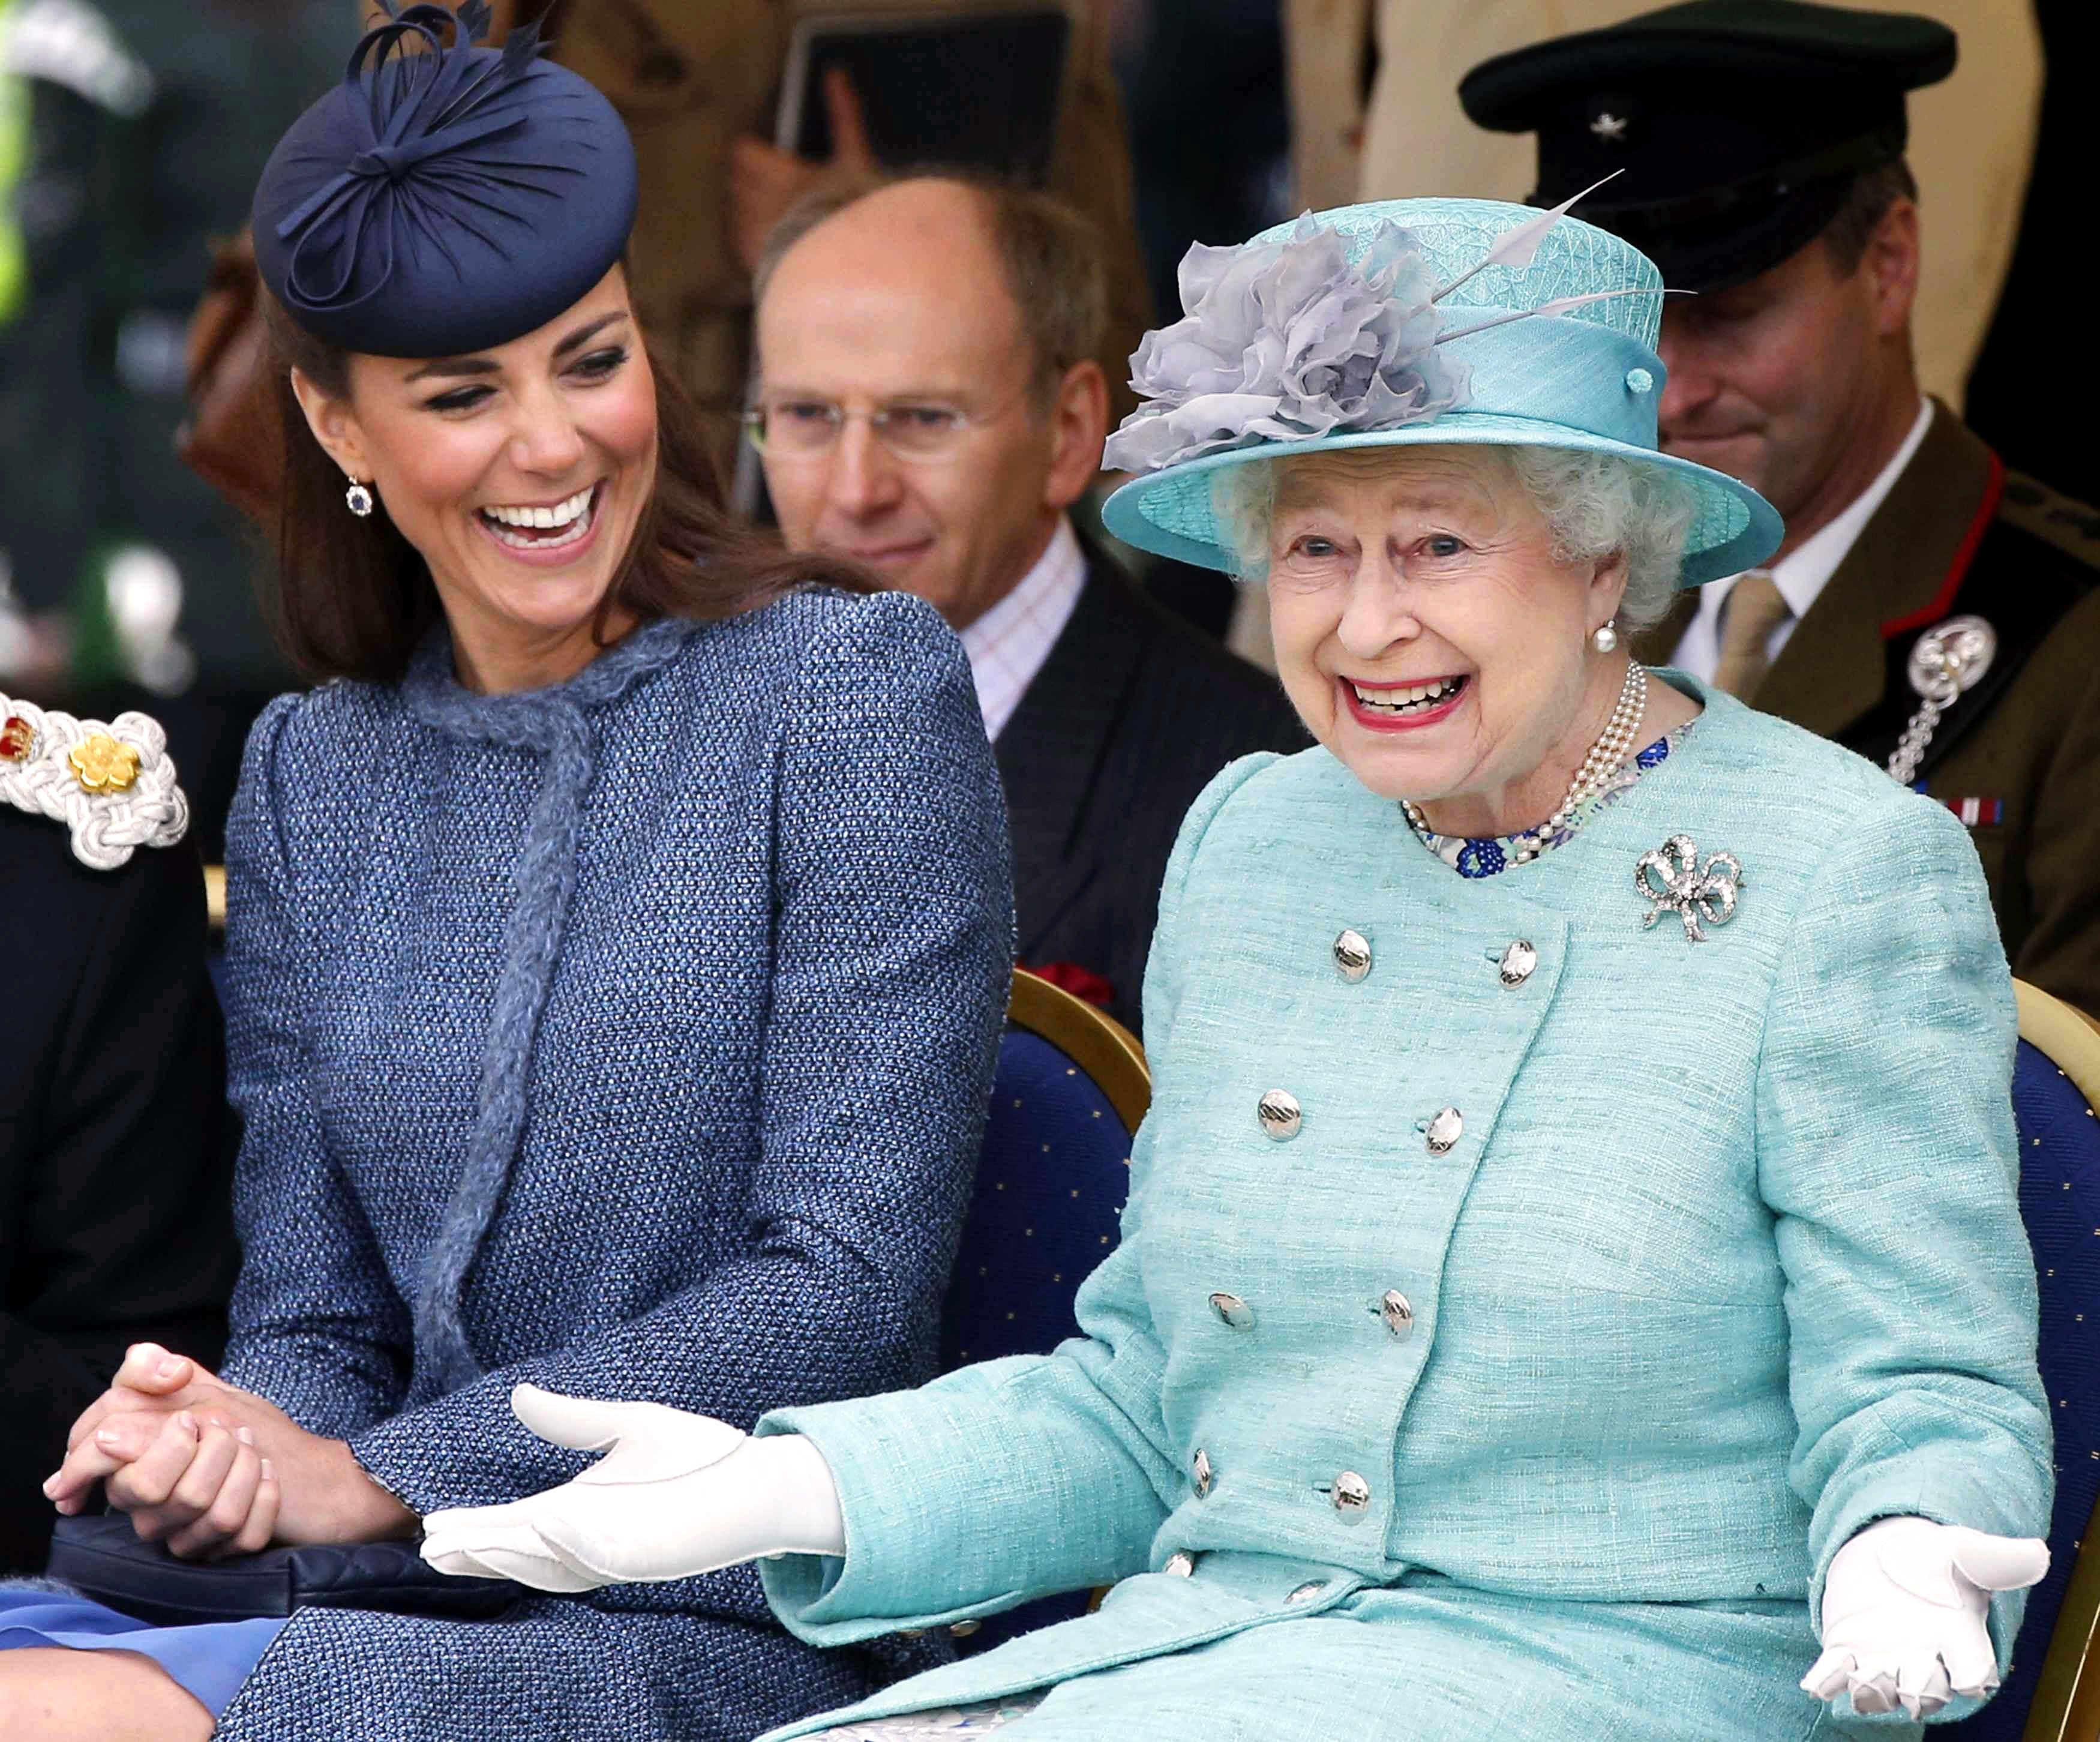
x=1904, y=1608
x=675, y=1495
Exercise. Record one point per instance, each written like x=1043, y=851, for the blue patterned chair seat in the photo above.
x=1052, y=1179
x=2060, y=1200
x=1051, y=1183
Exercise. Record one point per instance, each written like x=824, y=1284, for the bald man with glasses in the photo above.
x=928, y=404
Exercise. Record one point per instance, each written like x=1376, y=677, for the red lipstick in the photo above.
x=1373, y=720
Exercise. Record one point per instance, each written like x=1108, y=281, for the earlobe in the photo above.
x=1893, y=258
x=334, y=425
x=1607, y=583
x=1080, y=419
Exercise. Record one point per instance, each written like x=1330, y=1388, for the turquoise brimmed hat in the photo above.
x=1406, y=323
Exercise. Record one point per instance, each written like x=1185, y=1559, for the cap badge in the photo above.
x=101, y=764
x=1610, y=127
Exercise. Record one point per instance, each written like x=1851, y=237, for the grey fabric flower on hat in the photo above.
x=1287, y=341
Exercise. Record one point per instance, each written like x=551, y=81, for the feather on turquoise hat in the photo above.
x=1408, y=322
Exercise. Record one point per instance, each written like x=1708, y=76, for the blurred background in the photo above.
x=131, y=133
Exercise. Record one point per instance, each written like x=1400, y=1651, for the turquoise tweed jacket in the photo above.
x=1725, y=1262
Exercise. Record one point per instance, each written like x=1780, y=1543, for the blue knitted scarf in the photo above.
x=555, y=725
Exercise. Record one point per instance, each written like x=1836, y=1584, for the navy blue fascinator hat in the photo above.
x=444, y=198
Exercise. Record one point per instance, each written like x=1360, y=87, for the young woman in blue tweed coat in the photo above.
x=1571, y=1285
x=616, y=961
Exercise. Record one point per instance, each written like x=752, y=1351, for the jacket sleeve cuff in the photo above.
x=1897, y=1486
x=423, y=1456
x=993, y=1485
x=892, y=1529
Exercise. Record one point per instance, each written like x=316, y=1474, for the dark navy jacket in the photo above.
x=1132, y=715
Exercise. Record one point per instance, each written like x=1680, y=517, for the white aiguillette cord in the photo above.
x=37, y=773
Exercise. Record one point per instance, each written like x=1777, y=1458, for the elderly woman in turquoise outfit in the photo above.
x=1572, y=1284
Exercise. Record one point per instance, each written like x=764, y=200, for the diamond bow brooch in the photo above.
x=1673, y=881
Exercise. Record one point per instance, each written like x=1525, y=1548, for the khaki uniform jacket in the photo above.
x=1960, y=535
x=689, y=78
x=1972, y=137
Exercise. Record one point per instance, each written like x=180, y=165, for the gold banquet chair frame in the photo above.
x=2066, y=1698
x=1091, y=1039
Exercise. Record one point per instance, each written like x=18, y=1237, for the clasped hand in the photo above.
x=676, y=1495
x=1905, y=1614
x=211, y=1470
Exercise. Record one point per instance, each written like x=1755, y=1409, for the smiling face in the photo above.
x=1427, y=634
x=519, y=473
x=899, y=304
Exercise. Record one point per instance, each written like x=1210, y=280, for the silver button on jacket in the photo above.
x=1280, y=1115
x=1201, y=1466
x=1181, y=1564
x=1397, y=1312
x=1306, y=1592
x=1233, y=1311
x=1353, y=1497
x=1445, y=1129
x=1353, y=956
x=1517, y=963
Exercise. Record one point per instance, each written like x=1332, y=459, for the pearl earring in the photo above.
x=1607, y=637
x=359, y=498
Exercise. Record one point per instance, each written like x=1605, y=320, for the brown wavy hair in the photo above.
x=352, y=598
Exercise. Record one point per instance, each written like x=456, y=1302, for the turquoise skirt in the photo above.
x=210, y=1661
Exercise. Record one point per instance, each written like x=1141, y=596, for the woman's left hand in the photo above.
x=203, y=1490
x=1905, y=1614
x=676, y=1495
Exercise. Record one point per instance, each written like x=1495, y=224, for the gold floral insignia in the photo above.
x=101, y=764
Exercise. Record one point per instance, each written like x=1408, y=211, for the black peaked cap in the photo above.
x=1739, y=124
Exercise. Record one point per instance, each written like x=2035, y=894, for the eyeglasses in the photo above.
x=912, y=429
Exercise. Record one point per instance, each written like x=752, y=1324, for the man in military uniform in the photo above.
x=115, y=1140
x=1929, y=609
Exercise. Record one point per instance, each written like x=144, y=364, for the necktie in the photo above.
x=1752, y=611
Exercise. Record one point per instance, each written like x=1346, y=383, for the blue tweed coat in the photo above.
x=634, y=1038
x=1725, y=1262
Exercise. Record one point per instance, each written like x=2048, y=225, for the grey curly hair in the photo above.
x=1597, y=504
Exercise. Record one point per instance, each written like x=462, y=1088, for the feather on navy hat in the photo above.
x=444, y=198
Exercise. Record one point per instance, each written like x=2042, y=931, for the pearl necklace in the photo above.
x=1603, y=761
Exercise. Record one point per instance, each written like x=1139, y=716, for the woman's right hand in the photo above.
x=153, y=1382
x=676, y=1495
x=202, y=1487
x=182, y=1452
